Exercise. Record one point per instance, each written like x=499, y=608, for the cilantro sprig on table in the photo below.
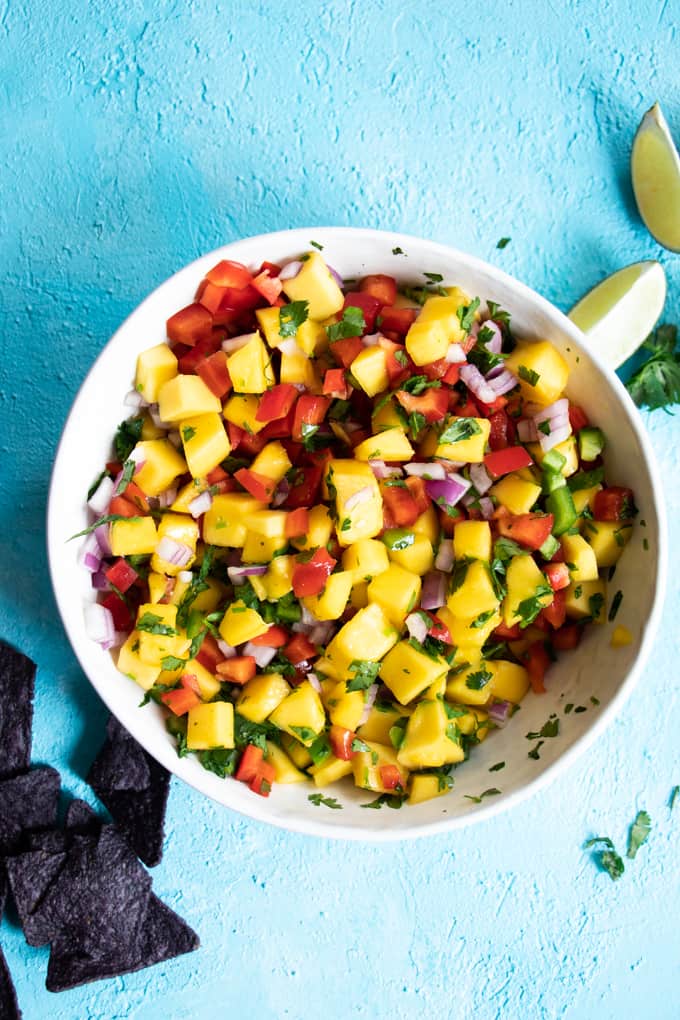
x=657, y=382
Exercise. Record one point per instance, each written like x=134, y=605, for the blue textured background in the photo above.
x=137, y=135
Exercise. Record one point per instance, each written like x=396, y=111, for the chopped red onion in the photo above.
x=314, y=681
x=99, y=624
x=450, y=465
x=100, y=581
x=168, y=497
x=381, y=470
x=455, y=355
x=359, y=497
x=91, y=554
x=369, y=702
x=261, y=653
x=433, y=595
x=448, y=491
x=176, y=553
x=201, y=504
x=444, y=558
x=501, y=380
x=477, y=384
x=557, y=417
x=175, y=439
x=238, y=575
x=499, y=712
x=134, y=399
x=299, y=386
x=308, y=619
x=480, y=478
x=101, y=497
x=559, y=431
x=155, y=416
x=416, y=626
x=290, y=270
x=432, y=471
x=486, y=507
x=289, y=346
x=235, y=343
x=103, y=537
x=281, y=492
x=559, y=409
x=527, y=431
x=371, y=340
x=336, y=276
x=321, y=633
x=185, y=576
x=228, y=651
x=495, y=344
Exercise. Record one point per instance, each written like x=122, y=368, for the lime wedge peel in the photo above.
x=655, y=172
x=620, y=312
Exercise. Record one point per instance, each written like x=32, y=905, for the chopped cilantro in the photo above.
x=398, y=251
x=364, y=674
x=330, y=802
x=458, y=429
x=657, y=382
x=483, y=618
x=352, y=323
x=151, y=623
x=433, y=277
x=359, y=746
x=533, y=753
x=594, y=701
x=315, y=244
x=528, y=375
x=606, y=856
x=221, y=761
x=346, y=524
x=389, y=799
x=549, y=729
x=595, y=604
x=466, y=314
x=106, y=519
x=544, y=427
x=498, y=314
x=497, y=767
x=402, y=358
x=477, y=681
x=291, y=317
x=417, y=384
x=129, y=468
x=528, y=609
x=503, y=243
x=615, y=606
x=188, y=433
x=197, y=585
x=639, y=833
x=96, y=483
x=171, y=662
x=493, y=792
x=128, y=435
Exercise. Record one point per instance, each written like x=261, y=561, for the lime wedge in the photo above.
x=655, y=170
x=620, y=312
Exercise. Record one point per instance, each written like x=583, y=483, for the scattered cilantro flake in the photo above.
x=580, y=709
x=675, y=794
x=417, y=384
x=389, y=799
x=315, y=244
x=402, y=358
x=398, y=251
x=96, y=483
x=359, y=746
x=503, y=243
x=352, y=323
x=188, y=433
x=568, y=708
x=126, y=477
x=497, y=767
x=493, y=792
x=528, y=375
x=533, y=753
x=171, y=662
x=639, y=833
x=606, y=856
x=478, y=681
x=498, y=314
x=529, y=608
x=364, y=674
x=458, y=429
x=595, y=604
x=106, y=519
x=466, y=314
x=483, y=618
x=151, y=623
x=594, y=701
x=221, y=761
x=549, y=729
x=329, y=802
x=291, y=317
x=433, y=277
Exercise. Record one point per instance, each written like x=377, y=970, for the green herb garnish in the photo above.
x=493, y=792
x=528, y=375
x=330, y=802
x=352, y=323
x=639, y=833
x=657, y=382
x=291, y=317
x=364, y=674
x=607, y=858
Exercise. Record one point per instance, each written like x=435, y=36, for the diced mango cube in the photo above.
x=158, y=633
x=367, y=636
x=133, y=537
x=357, y=499
x=205, y=441
x=516, y=494
x=369, y=368
x=429, y=740
x=426, y=786
x=178, y=528
x=524, y=581
x=331, y=603
x=587, y=599
x=131, y=664
x=160, y=465
x=284, y=769
x=418, y=557
x=272, y=461
x=381, y=719
x=261, y=695
x=510, y=681
x=607, y=539
x=185, y=396
x=390, y=445
x=345, y=708
x=407, y=671
x=300, y=714
x=475, y=594
x=427, y=341
x=241, y=409
x=366, y=766
x=297, y=368
x=365, y=559
x=470, y=450
x=225, y=523
x=472, y=540
x=155, y=366
x=210, y=726
x=319, y=530
x=329, y=770
x=541, y=370
x=397, y=591
x=250, y=367
x=579, y=557
x=240, y=624
x=621, y=637
x=315, y=285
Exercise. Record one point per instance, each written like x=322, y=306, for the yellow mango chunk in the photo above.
x=367, y=636
x=331, y=603
x=178, y=528
x=380, y=721
x=475, y=595
x=428, y=525
x=315, y=285
x=510, y=681
x=407, y=671
x=418, y=557
x=427, y=341
x=131, y=664
x=541, y=370
x=210, y=726
x=607, y=539
x=205, y=442
x=472, y=541
x=329, y=770
x=366, y=767
x=470, y=449
x=524, y=581
x=261, y=695
x=357, y=499
x=397, y=591
x=155, y=366
x=390, y=445
x=240, y=624
x=621, y=637
x=319, y=530
x=160, y=465
x=369, y=368
x=225, y=523
x=579, y=557
x=158, y=633
x=444, y=310
x=250, y=367
x=297, y=368
x=284, y=769
x=272, y=461
x=426, y=787
x=587, y=598
x=515, y=493
x=296, y=751
x=241, y=409
x=429, y=740
x=133, y=537
x=300, y=714
x=185, y=396
x=345, y=708
x=472, y=686
x=365, y=559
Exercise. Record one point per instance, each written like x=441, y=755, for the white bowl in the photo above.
x=593, y=670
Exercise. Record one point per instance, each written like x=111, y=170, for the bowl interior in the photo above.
x=593, y=671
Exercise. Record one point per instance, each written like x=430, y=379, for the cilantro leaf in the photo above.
x=221, y=761
x=466, y=314
x=151, y=623
x=106, y=519
x=97, y=482
x=528, y=375
x=126, y=477
x=127, y=436
x=639, y=833
x=197, y=585
x=417, y=384
x=329, y=802
x=433, y=277
x=606, y=856
x=389, y=799
x=657, y=382
x=493, y=792
x=498, y=314
x=291, y=317
x=398, y=251
x=497, y=767
x=352, y=323
x=188, y=433
x=171, y=662
x=458, y=429
x=364, y=674
x=549, y=729
x=528, y=609
x=478, y=681
x=503, y=243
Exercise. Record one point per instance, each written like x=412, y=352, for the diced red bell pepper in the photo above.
x=502, y=432
x=245, y=442
x=468, y=410
x=268, y=286
x=270, y=267
x=180, y=700
x=304, y=487
x=309, y=410
x=438, y=630
x=249, y=763
x=400, y=505
x=210, y=296
x=345, y=351
x=121, y=575
x=300, y=649
x=450, y=517
x=452, y=375
x=435, y=369
x=236, y=300
x=530, y=530
x=341, y=742
x=578, y=419
x=614, y=504
x=383, y=288
x=416, y=486
x=209, y=654
x=335, y=384
x=397, y=320
x=133, y=494
x=567, y=637
x=190, y=325
x=504, y=633
x=229, y=274
x=262, y=782
x=496, y=405
x=536, y=660
x=297, y=523
x=502, y=462
x=215, y=374
x=310, y=578
x=558, y=575
x=397, y=362
x=276, y=402
x=276, y=637
x=390, y=776
x=237, y=670
x=369, y=306
x=259, y=486
x=122, y=615
x=279, y=428
x=556, y=613
x=432, y=404
x=122, y=507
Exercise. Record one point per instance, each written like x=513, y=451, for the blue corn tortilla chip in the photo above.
x=17, y=686
x=82, y=819
x=30, y=876
x=27, y=802
x=162, y=937
x=134, y=788
x=9, y=1007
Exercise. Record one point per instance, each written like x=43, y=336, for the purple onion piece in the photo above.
x=433, y=595
x=448, y=491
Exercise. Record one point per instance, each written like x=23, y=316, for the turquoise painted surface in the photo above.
x=137, y=136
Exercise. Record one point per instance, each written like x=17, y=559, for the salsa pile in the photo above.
x=348, y=527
